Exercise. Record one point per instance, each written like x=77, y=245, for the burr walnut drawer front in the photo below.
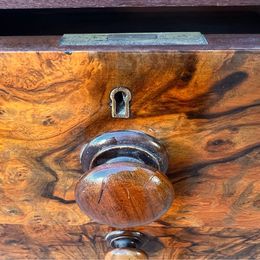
x=200, y=103
x=203, y=106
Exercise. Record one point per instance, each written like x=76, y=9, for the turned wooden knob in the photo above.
x=127, y=245
x=128, y=188
x=126, y=254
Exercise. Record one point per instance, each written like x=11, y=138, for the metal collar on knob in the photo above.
x=131, y=144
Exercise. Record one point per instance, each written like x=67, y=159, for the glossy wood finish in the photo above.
x=124, y=183
x=203, y=105
x=124, y=146
x=87, y=242
x=124, y=194
x=126, y=254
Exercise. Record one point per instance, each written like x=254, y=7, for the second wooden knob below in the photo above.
x=126, y=254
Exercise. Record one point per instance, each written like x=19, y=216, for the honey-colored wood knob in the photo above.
x=126, y=254
x=124, y=194
x=126, y=244
x=124, y=184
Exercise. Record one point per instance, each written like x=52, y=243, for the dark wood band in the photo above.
x=29, y=4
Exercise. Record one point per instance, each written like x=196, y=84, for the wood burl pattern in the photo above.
x=204, y=106
x=87, y=242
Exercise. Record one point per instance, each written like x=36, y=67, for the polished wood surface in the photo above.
x=87, y=242
x=124, y=184
x=203, y=105
x=124, y=194
x=125, y=254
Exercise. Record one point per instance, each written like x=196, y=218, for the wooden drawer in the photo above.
x=200, y=101
x=202, y=104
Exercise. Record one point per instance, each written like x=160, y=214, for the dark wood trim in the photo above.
x=28, y=4
x=51, y=43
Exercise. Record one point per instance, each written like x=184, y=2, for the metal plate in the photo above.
x=155, y=39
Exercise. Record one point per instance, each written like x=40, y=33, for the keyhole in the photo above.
x=120, y=102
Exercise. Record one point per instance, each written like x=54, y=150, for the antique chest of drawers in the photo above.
x=130, y=129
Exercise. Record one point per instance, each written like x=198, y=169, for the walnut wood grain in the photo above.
x=204, y=106
x=87, y=242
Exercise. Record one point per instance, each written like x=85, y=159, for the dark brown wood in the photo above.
x=124, y=194
x=124, y=146
x=245, y=42
x=28, y=4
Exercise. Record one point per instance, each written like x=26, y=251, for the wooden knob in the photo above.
x=128, y=187
x=126, y=254
x=126, y=244
x=124, y=194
